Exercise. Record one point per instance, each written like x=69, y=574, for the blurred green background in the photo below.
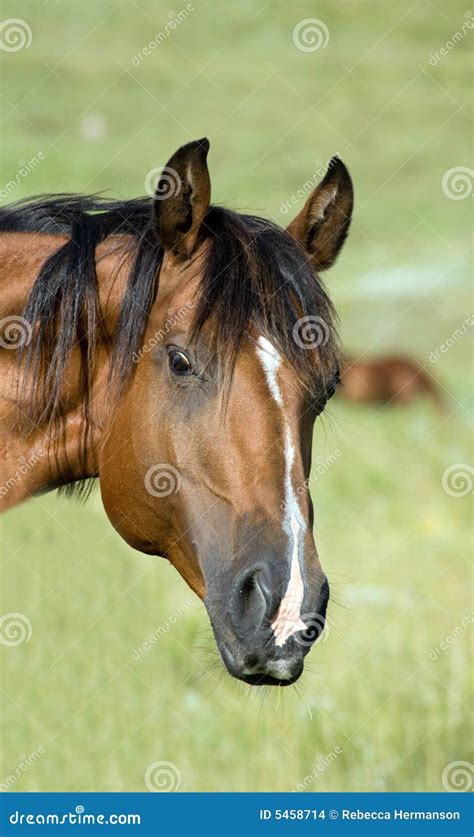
x=381, y=705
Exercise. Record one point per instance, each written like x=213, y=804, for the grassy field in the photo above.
x=382, y=705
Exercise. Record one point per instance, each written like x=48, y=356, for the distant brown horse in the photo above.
x=164, y=346
x=396, y=380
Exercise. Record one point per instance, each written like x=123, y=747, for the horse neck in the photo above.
x=38, y=457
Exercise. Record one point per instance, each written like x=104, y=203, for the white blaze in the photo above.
x=288, y=618
x=271, y=361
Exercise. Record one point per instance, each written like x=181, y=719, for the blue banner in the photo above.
x=191, y=814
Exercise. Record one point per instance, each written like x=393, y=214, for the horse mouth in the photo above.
x=267, y=679
x=267, y=672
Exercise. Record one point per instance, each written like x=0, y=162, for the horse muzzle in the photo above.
x=252, y=648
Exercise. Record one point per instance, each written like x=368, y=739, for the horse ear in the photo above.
x=322, y=225
x=182, y=198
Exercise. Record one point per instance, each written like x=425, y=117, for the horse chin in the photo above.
x=278, y=673
x=257, y=660
x=267, y=680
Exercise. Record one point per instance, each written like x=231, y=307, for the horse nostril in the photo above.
x=248, y=585
x=254, y=600
x=272, y=598
x=273, y=604
x=249, y=601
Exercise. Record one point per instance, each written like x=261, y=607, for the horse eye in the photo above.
x=179, y=364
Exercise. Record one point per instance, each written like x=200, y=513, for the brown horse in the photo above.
x=388, y=380
x=181, y=353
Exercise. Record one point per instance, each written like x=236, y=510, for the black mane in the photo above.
x=255, y=274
